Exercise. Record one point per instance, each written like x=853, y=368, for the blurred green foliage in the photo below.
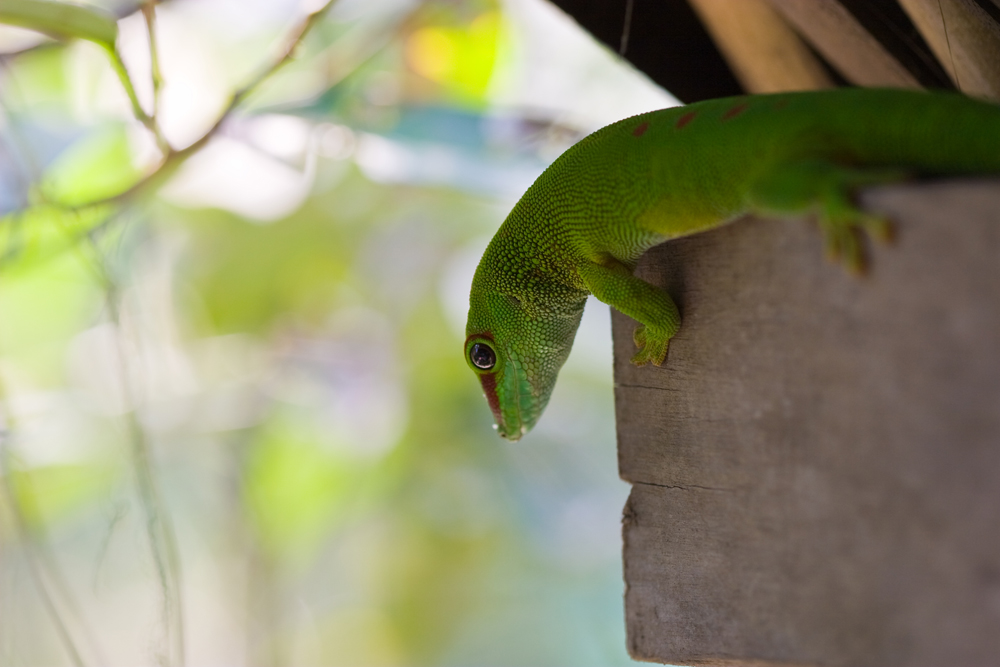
x=61, y=20
x=275, y=333
x=97, y=166
x=53, y=493
x=459, y=58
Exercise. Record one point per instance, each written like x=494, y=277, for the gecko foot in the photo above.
x=827, y=189
x=844, y=228
x=652, y=348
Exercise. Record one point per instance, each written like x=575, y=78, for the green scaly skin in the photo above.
x=582, y=226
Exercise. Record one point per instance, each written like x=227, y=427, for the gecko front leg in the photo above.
x=653, y=308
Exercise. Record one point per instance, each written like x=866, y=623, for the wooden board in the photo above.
x=845, y=43
x=763, y=51
x=816, y=468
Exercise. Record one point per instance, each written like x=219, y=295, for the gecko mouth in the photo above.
x=489, y=382
x=509, y=424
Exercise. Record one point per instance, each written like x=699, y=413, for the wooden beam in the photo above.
x=838, y=36
x=763, y=51
x=966, y=40
x=816, y=468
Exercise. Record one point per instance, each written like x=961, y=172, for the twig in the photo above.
x=148, y=121
x=626, y=29
x=159, y=528
x=119, y=66
x=129, y=10
x=173, y=158
x=149, y=14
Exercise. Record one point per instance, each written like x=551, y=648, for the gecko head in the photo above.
x=516, y=351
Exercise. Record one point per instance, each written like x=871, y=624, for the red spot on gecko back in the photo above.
x=640, y=130
x=780, y=104
x=735, y=111
x=685, y=119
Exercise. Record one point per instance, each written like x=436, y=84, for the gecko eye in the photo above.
x=483, y=356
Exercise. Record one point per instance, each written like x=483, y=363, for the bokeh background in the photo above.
x=237, y=427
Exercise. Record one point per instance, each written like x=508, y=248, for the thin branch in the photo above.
x=148, y=121
x=119, y=66
x=129, y=10
x=159, y=528
x=626, y=29
x=149, y=14
x=283, y=56
x=173, y=158
x=163, y=541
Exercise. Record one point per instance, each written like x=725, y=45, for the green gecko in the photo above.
x=582, y=226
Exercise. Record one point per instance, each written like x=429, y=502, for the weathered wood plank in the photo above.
x=966, y=40
x=763, y=51
x=843, y=41
x=816, y=468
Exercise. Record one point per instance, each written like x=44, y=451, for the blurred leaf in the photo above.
x=41, y=233
x=459, y=58
x=42, y=81
x=61, y=20
x=42, y=310
x=293, y=486
x=96, y=167
x=250, y=276
x=49, y=493
x=359, y=636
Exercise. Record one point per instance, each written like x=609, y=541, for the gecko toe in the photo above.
x=652, y=349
